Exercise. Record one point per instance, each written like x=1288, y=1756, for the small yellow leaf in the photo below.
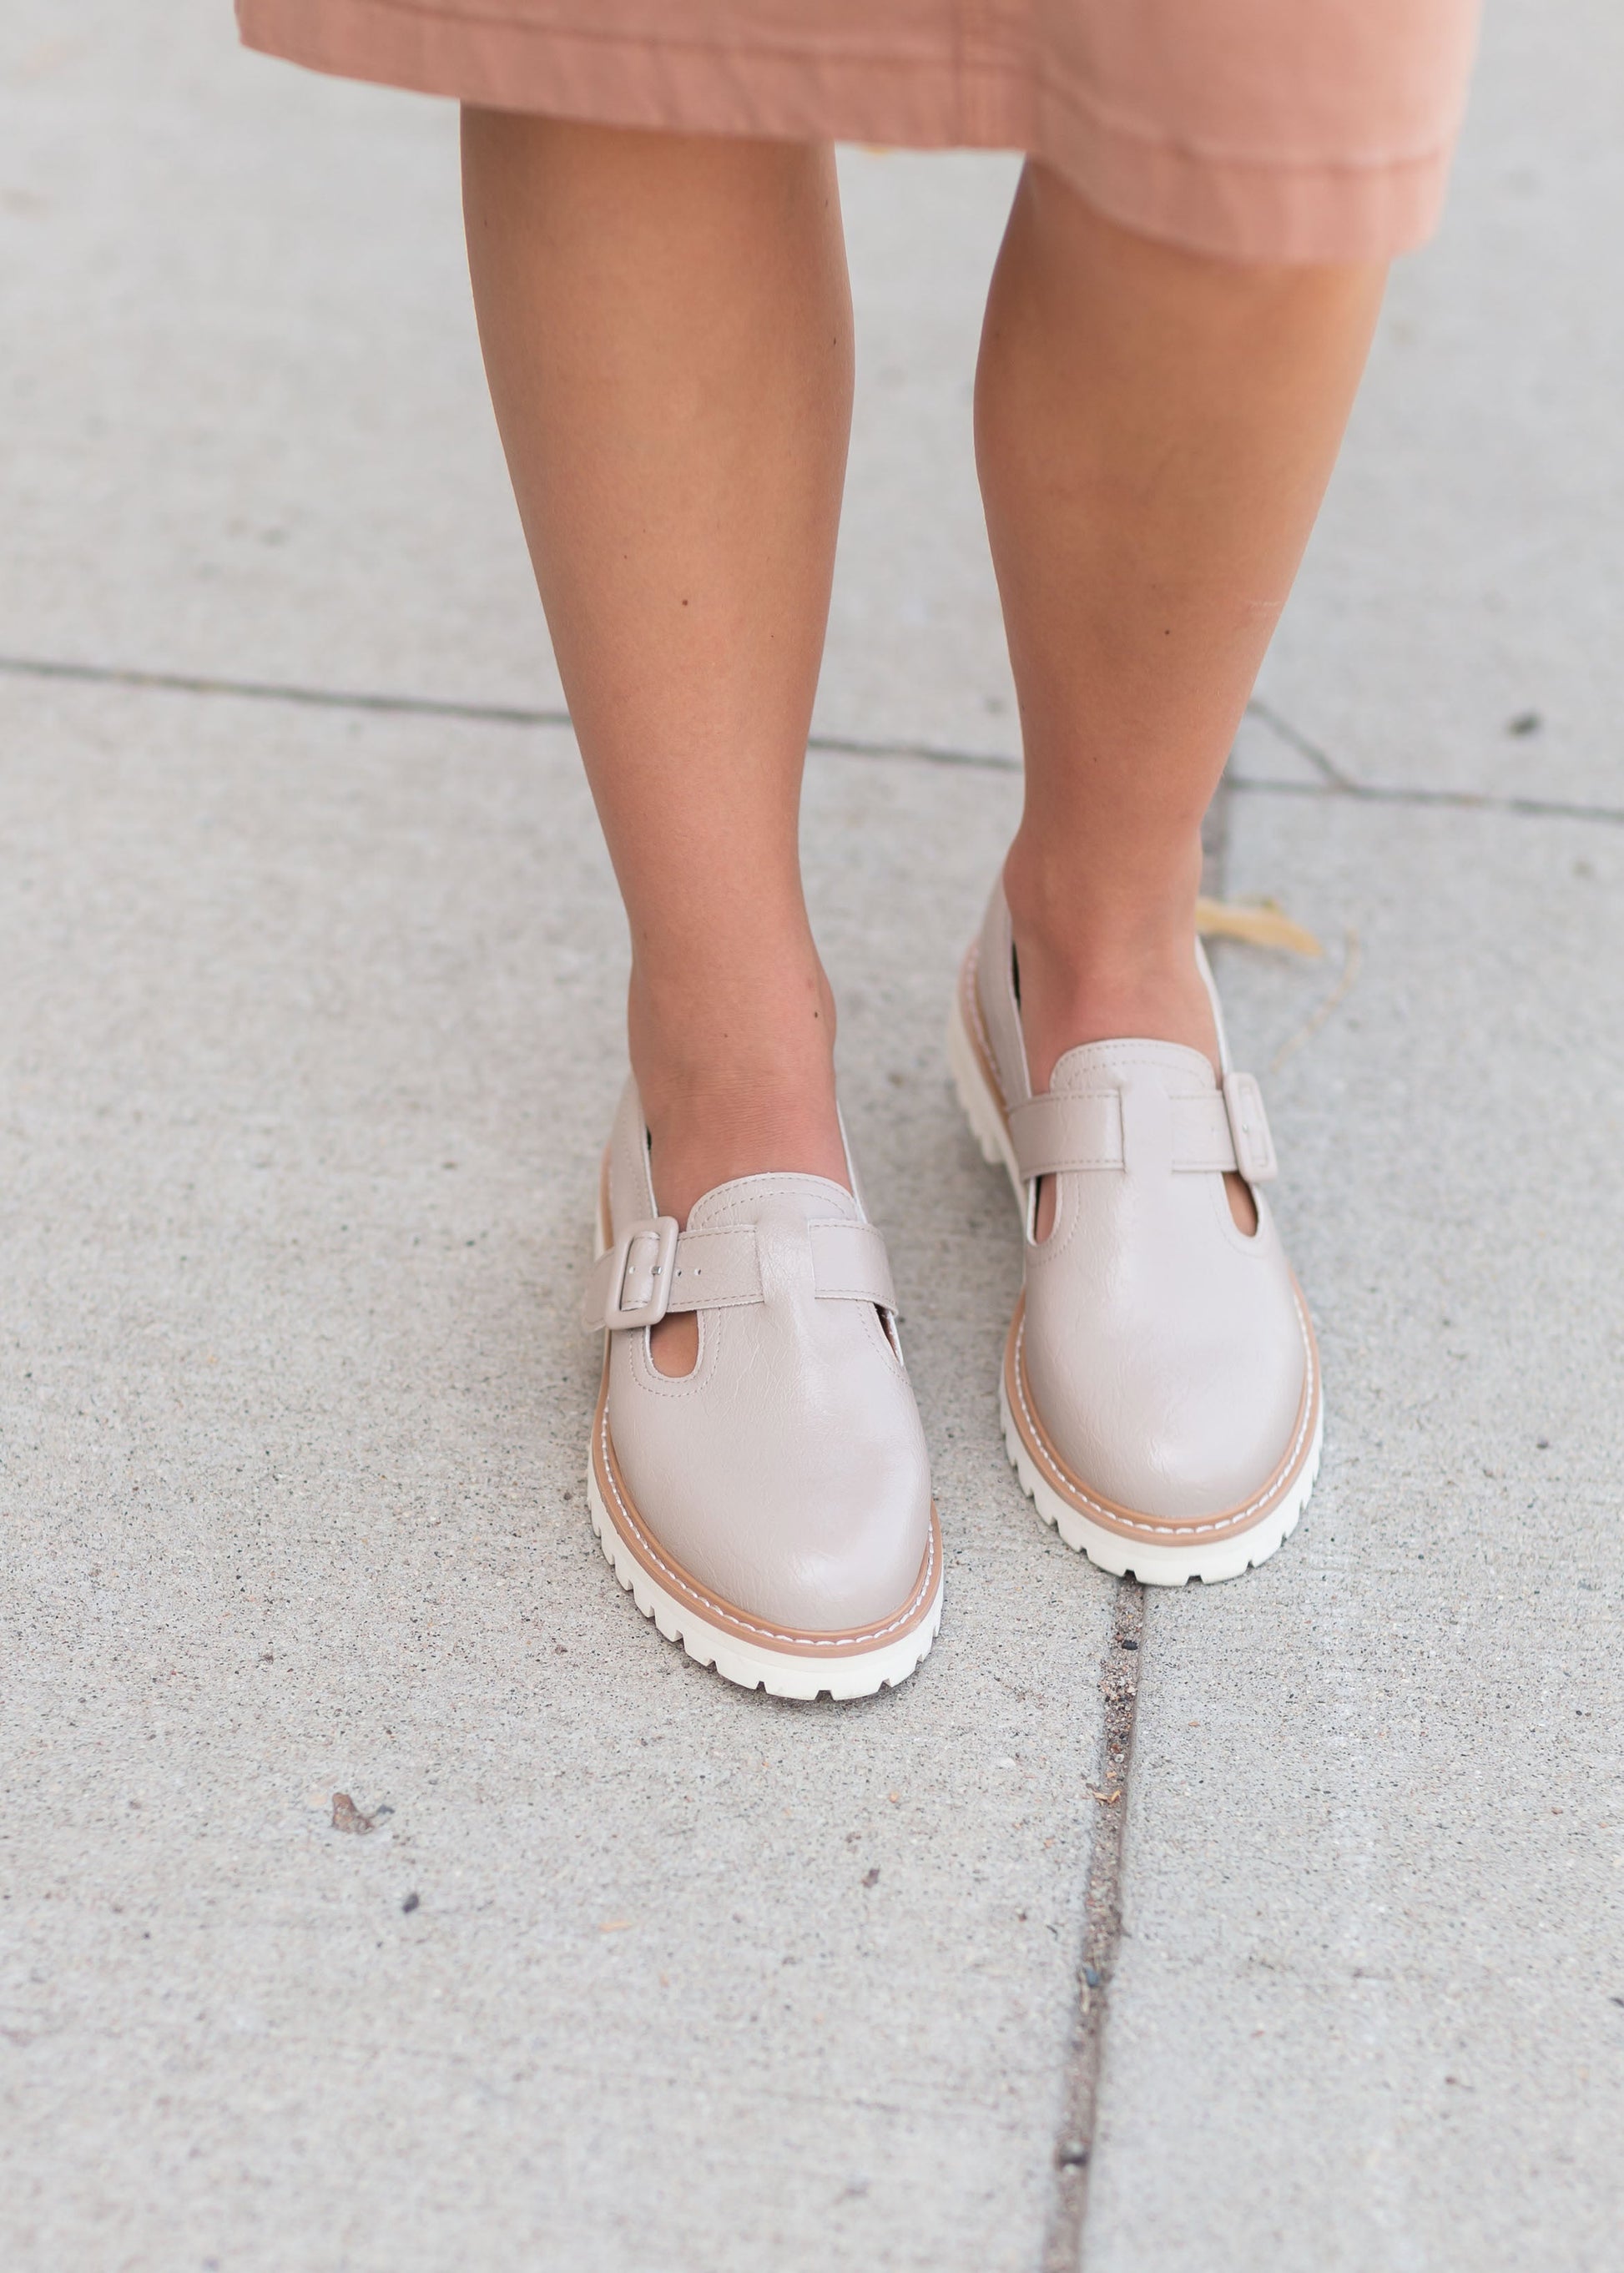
x=1260, y=924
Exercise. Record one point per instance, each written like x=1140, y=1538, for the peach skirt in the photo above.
x=1263, y=130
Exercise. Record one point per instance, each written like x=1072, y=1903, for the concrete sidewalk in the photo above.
x=308, y=1037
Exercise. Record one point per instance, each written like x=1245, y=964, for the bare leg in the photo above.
x=1154, y=433
x=666, y=325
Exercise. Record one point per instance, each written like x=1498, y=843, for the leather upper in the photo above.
x=1165, y=1350
x=787, y=1472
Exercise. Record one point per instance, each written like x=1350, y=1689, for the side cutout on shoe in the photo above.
x=673, y=1344
x=1243, y=1207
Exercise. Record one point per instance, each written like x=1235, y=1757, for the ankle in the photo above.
x=1106, y=958
x=1110, y=895
x=738, y=1088
x=702, y=1137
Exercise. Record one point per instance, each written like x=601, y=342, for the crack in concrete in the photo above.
x=428, y=706
x=1333, y=783
x=1119, y=1679
x=254, y=690
x=1294, y=738
x=1462, y=800
x=1120, y=1674
x=199, y=683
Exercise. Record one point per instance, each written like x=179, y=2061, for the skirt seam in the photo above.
x=1044, y=83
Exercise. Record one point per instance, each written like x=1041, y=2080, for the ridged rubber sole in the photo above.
x=1152, y=1563
x=747, y=1664
x=1161, y=1566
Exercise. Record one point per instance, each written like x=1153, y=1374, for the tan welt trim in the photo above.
x=1172, y=1530
x=791, y=1641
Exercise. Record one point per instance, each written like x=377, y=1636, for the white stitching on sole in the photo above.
x=1171, y=1532
x=748, y=1664
x=1212, y=1562
x=844, y=1643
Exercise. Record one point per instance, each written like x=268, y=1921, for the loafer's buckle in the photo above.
x=1248, y=1129
x=640, y=1283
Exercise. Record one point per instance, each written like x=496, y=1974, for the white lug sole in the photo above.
x=1160, y=1566
x=981, y=1109
x=747, y=1663
x=1152, y=1566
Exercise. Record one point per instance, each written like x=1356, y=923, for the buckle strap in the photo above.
x=851, y=1264
x=1254, y=1147
x=1059, y=1133
x=630, y=1282
x=1054, y=1132
x=653, y=1269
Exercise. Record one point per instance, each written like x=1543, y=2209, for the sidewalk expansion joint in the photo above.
x=1459, y=800
x=429, y=706
x=1333, y=783
x=1121, y=1671
x=1119, y=1680
x=254, y=690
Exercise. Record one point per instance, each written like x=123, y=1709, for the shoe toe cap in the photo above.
x=1180, y=1425
x=821, y=1526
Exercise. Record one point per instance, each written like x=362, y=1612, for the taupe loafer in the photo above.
x=1161, y=1391
x=771, y=1509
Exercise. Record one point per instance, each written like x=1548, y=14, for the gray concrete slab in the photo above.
x=277, y=423
x=1368, y=2005
x=1466, y=572
x=244, y=429
x=242, y=425
x=916, y=648
x=309, y=1034
x=309, y=1037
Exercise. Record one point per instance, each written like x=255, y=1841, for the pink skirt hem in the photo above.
x=1296, y=207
